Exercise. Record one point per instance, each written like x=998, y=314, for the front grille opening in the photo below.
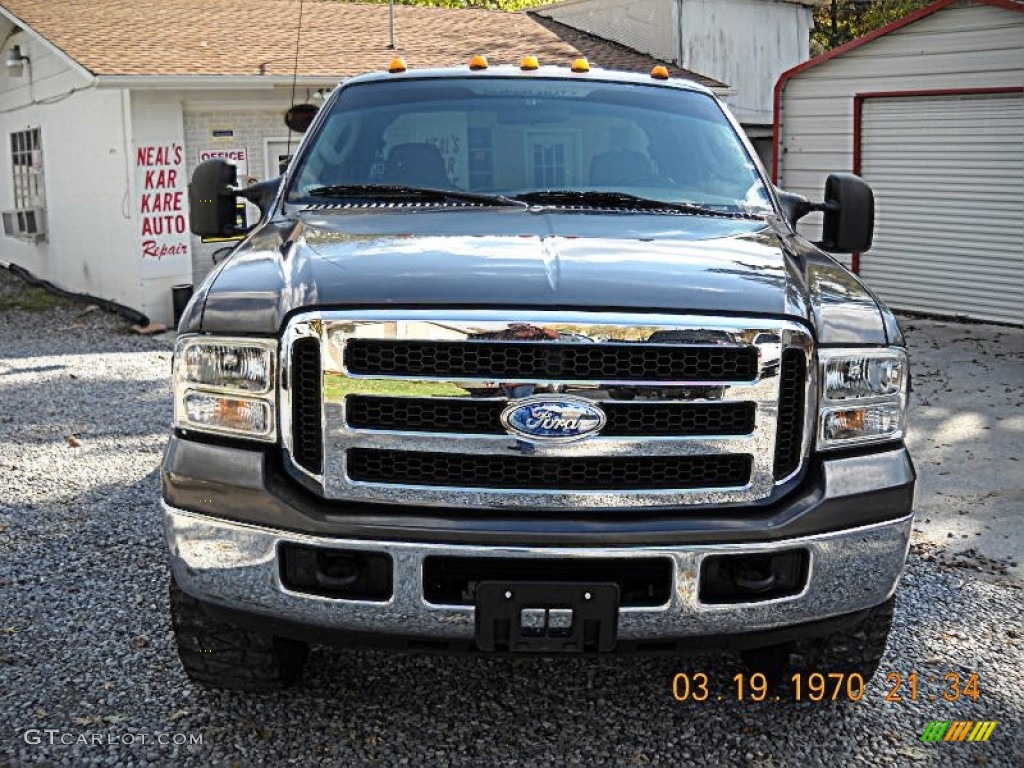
x=789, y=437
x=598, y=473
x=547, y=360
x=753, y=578
x=642, y=581
x=307, y=389
x=483, y=417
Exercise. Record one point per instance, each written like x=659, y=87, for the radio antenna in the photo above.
x=391, y=24
x=295, y=71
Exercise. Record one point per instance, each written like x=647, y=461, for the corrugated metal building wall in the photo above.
x=743, y=43
x=649, y=26
x=932, y=115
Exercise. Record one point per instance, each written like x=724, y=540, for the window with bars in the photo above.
x=27, y=169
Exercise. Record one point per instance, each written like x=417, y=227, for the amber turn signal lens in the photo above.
x=659, y=72
x=581, y=65
x=478, y=62
x=397, y=65
x=529, y=63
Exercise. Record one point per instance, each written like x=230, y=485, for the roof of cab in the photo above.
x=548, y=72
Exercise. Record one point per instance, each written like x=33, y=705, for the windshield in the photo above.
x=519, y=136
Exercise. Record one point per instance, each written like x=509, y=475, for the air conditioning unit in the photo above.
x=25, y=223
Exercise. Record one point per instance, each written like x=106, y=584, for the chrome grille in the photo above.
x=412, y=399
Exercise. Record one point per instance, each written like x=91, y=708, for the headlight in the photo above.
x=226, y=386
x=863, y=396
x=222, y=364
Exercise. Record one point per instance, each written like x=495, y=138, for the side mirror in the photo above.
x=794, y=206
x=262, y=193
x=211, y=199
x=849, y=221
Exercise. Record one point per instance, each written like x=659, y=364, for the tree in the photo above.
x=839, y=21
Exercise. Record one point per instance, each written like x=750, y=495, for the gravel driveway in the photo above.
x=87, y=659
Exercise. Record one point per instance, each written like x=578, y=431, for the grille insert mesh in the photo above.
x=789, y=437
x=599, y=473
x=549, y=360
x=307, y=431
x=482, y=417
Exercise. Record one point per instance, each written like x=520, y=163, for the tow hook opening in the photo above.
x=753, y=578
x=338, y=573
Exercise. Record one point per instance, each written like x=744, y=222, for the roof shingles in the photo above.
x=242, y=37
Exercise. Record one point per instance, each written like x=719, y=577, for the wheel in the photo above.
x=856, y=649
x=218, y=654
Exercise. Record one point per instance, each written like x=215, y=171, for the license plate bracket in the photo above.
x=546, y=617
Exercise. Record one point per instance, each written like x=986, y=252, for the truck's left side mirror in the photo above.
x=849, y=221
x=211, y=199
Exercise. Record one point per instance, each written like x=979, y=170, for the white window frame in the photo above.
x=26, y=154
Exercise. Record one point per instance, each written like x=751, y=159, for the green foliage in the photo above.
x=15, y=294
x=839, y=21
x=491, y=5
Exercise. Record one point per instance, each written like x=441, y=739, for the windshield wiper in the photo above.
x=403, y=192
x=600, y=199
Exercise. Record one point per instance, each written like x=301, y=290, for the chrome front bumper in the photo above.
x=236, y=566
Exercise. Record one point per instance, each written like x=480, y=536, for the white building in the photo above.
x=930, y=111
x=106, y=107
x=745, y=43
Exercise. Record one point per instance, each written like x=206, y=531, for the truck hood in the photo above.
x=520, y=258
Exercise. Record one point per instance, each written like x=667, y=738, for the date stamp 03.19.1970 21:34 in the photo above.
x=825, y=686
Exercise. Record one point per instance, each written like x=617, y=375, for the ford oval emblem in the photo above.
x=553, y=418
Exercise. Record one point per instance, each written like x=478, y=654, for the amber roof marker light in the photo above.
x=478, y=62
x=581, y=65
x=529, y=63
x=659, y=72
x=397, y=65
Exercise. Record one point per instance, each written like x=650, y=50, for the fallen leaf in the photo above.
x=74, y=442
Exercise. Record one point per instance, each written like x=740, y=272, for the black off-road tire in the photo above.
x=856, y=649
x=218, y=654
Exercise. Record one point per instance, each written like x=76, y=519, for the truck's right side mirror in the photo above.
x=849, y=220
x=211, y=199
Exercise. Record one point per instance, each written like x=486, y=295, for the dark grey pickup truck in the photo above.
x=533, y=361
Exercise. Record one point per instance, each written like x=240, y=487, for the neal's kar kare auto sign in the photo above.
x=163, y=217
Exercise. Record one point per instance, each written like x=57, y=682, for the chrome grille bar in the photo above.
x=689, y=338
